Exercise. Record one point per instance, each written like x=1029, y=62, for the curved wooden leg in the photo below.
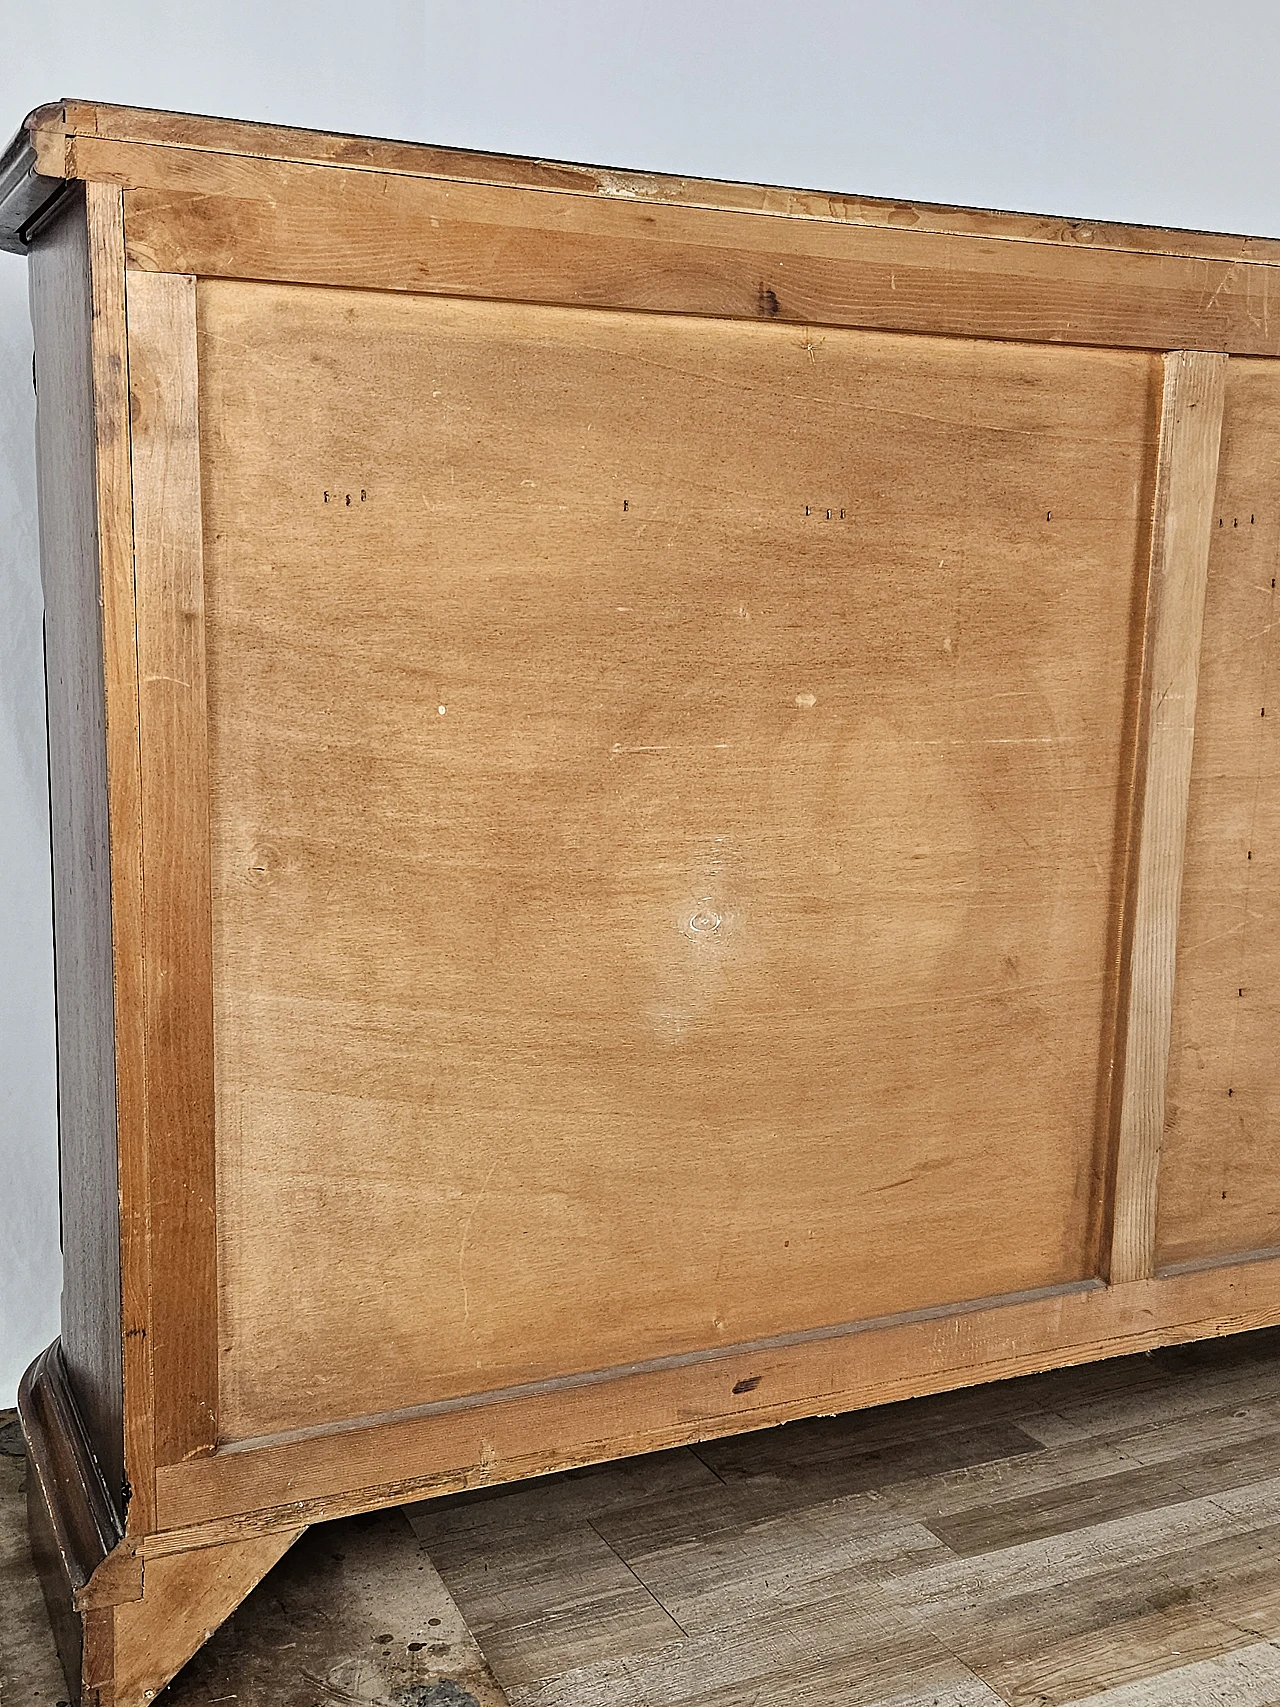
x=125, y=1623
x=132, y=1651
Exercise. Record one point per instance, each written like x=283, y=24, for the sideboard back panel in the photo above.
x=665, y=777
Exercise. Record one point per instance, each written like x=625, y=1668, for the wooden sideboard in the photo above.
x=666, y=816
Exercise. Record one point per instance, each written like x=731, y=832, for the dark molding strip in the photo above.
x=1228, y=1259
x=85, y=1526
x=26, y=198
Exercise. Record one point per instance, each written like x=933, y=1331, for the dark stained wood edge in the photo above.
x=104, y=205
x=74, y=1526
x=70, y=556
x=55, y=1584
x=613, y=1414
x=28, y=197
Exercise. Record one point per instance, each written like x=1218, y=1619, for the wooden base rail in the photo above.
x=227, y=1519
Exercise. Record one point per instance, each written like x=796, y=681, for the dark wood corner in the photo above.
x=74, y=1525
x=27, y=196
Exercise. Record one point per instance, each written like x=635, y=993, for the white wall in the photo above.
x=325, y=63
x=1161, y=111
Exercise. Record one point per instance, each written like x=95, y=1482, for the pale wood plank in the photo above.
x=223, y=216
x=563, y=1597
x=1220, y=1187
x=67, y=274
x=185, y=1598
x=1112, y=1627
x=1249, y=1677
x=178, y=947
x=1011, y=1522
x=1186, y=479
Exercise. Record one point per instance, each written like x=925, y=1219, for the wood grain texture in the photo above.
x=616, y=925
x=1186, y=481
x=223, y=215
x=366, y=1611
x=114, y=502
x=176, y=927
x=186, y=1597
x=61, y=131
x=1220, y=1185
x=570, y=867
x=62, y=286
x=458, y=1446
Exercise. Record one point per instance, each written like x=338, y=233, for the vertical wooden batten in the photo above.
x=114, y=497
x=1186, y=484
x=175, y=812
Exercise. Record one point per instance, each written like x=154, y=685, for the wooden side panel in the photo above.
x=62, y=302
x=1220, y=1177
x=663, y=872
x=176, y=927
x=1191, y=424
x=75, y=128
x=120, y=669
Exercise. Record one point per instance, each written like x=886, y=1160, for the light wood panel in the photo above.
x=1191, y=424
x=1220, y=1177
x=644, y=770
x=177, y=969
x=221, y=215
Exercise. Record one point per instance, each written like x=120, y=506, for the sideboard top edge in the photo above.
x=49, y=133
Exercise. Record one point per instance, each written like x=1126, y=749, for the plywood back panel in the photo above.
x=1219, y=1178
x=665, y=784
